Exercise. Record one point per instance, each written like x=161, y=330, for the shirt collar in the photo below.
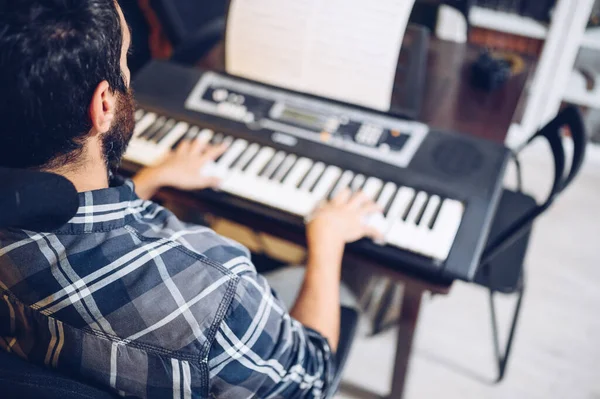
x=106, y=209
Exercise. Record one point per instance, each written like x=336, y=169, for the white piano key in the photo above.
x=139, y=114
x=378, y=222
x=286, y=165
x=268, y=192
x=400, y=204
x=246, y=156
x=372, y=187
x=423, y=234
x=416, y=208
x=445, y=228
x=327, y=180
x=299, y=170
x=357, y=183
x=386, y=195
x=175, y=134
x=153, y=128
x=144, y=123
x=343, y=183
x=429, y=213
x=262, y=158
x=233, y=153
x=205, y=135
x=274, y=164
x=409, y=239
x=144, y=153
x=163, y=131
x=228, y=140
x=315, y=172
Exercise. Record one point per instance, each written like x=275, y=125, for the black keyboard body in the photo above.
x=448, y=164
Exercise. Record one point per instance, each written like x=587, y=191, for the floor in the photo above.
x=557, y=347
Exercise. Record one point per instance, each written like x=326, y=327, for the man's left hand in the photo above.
x=181, y=169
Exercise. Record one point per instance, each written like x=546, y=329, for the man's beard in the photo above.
x=115, y=141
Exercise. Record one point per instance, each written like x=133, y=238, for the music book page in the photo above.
x=345, y=50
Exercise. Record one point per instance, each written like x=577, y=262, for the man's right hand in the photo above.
x=342, y=221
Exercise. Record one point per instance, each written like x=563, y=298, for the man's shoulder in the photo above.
x=156, y=282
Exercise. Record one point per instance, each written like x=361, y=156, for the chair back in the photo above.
x=563, y=176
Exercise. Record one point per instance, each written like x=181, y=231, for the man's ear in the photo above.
x=102, y=108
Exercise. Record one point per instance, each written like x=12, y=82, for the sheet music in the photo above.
x=341, y=49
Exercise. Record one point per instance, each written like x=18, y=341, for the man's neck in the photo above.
x=87, y=174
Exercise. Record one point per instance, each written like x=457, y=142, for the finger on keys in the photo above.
x=183, y=147
x=342, y=197
x=213, y=182
x=359, y=200
x=216, y=151
x=198, y=145
x=374, y=234
x=370, y=208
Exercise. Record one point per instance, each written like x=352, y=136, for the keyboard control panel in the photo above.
x=288, y=116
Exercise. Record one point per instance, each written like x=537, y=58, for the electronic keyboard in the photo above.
x=289, y=152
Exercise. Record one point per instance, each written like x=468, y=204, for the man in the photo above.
x=125, y=295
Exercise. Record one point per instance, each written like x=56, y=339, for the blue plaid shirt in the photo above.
x=128, y=297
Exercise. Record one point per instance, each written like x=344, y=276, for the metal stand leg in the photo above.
x=411, y=305
x=502, y=357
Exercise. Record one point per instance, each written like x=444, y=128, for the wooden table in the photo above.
x=450, y=103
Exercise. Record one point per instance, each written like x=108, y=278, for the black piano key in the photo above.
x=287, y=172
x=387, y=207
x=301, y=181
x=422, y=211
x=360, y=187
x=329, y=195
x=410, y=206
x=267, y=166
x=251, y=160
x=274, y=162
x=376, y=196
x=191, y=134
x=156, y=126
x=228, y=140
x=217, y=139
x=160, y=134
x=317, y=180
x=436, y=214
x=237, y=163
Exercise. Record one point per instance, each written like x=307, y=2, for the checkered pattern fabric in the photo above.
x=128, y=297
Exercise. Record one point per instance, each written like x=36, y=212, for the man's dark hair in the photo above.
x=53, y=55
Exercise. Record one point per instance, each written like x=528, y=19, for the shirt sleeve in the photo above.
x=260, y=351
